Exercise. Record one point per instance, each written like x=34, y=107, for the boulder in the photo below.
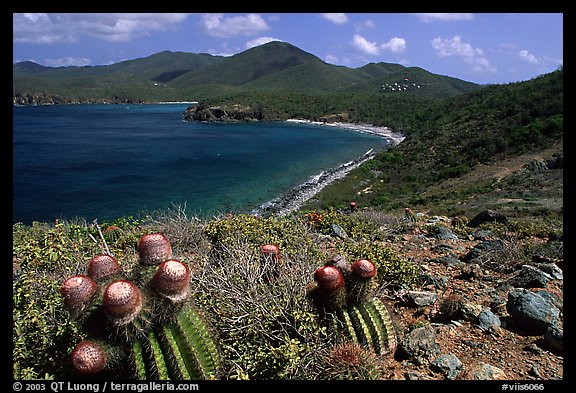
x=487, y=216
x=531, y=311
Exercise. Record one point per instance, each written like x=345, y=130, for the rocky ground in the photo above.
x=479, y=313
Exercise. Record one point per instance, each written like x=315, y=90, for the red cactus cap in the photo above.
x=78, y=290
x=364, y=268
x=271, y=250
x=329, y=278
x=88, y=358
x=154, y=248
x=102, y=266
x=122, y=301
x=172, y=279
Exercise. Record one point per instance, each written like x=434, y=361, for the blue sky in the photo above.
x=476, y=47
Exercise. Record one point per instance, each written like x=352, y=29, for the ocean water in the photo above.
x=109, y=161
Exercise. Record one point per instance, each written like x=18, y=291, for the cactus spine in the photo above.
x=146, y=319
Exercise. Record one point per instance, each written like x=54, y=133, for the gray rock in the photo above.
x=419, y=345
x=443, y=233
x=552, y=269
x=485, y=371
x=339, y=231
x=554, y=338
x=447, y=261
x=483, y=248
x=421, y=298
x=485, y=217
x=552, y=298
x=531, y=311
x=486, y=319
x=529, y=277
x=448, y=364
x=483, y=234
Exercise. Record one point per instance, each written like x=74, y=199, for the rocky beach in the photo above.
x=293, y=199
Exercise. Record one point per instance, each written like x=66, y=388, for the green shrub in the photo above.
x=289, y=234
x=267, y=327
x=391, y=268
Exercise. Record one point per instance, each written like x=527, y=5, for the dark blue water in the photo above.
x=109, y=161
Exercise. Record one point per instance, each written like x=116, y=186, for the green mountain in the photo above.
x=275, y=66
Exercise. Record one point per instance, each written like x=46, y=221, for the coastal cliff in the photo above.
x=224, y=114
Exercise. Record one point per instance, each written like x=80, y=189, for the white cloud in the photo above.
x=217, y=25
x=260, y=41
x=444, y=17
x=364, y=46
x=43, y=28
x=528, y=57
x=336, y=18
x=395, y=45
x=68, y=61
x=336, y=60
x=364, y=25
x=456, y=47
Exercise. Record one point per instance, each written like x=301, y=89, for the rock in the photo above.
x=419, y=345
x=470, y=271
x=554, y=338
x=487, y=216
x=485, y=371
x=551, y=297
x=483, y=248
x=531, y=311
x=483, y=234
x=486, y=319
x=448, y=364
x=471, y=311
x=552, y=269
x=443, y=233
x=556, y=163
x=529, y=277
x=339, y=231
x=421, y=298
x=447, y=261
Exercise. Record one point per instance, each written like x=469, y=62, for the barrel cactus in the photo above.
x=344, y=295
x=143, y=326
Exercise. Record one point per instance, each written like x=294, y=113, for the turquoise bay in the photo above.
x=108, y=161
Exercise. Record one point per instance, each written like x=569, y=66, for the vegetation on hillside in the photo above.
x=447, y=139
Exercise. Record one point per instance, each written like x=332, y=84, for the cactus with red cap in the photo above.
x=145, y=319
x=343, y=292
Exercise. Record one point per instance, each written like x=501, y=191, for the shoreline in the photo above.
x=296, y=197
x=384, y=132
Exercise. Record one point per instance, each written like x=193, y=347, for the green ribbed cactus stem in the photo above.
x=359, y=282
x=153, y=249
x=369, y=325
x=330, y=291
x=182, y=350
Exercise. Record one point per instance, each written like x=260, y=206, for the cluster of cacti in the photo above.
x=344, y=294
x=142, y=326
